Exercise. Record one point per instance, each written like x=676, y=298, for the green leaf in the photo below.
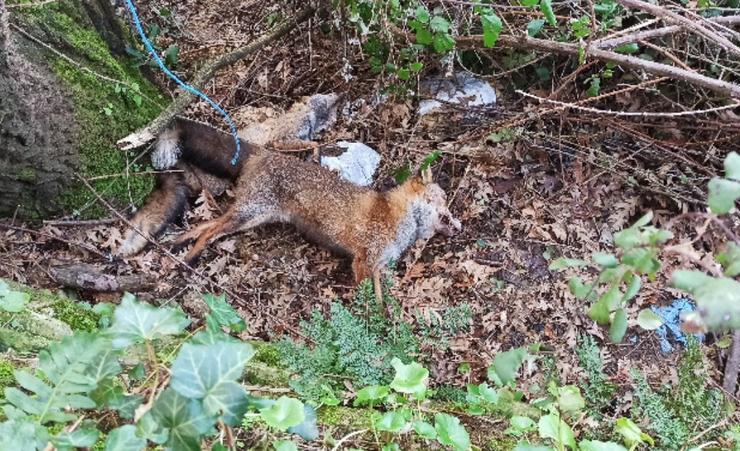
x=425, y=430
x=631, y=433
x=124, y=438
x=612, y=298
x=605, y=260
x=370, y=394
x=424, y=36
x=390, y=447
x=644, y=220
x=552, y=427
x=535, y=26
x=411, y=378
x=223, y=313
x=83, y=437
x=307, y=430
x=562, y=263
x=595, y=445
x=450, y=432
x=505, y=366
x=492, y=26
x=110, y=394
x=284, y=445
x=578, y=288
x=633, y=288
x=722, y=195
x=284, y=413
x=627, y=49
x=570, y=399
x=134, y=322
x=618, y=327
x=14, y=301
x=530, y=447
x=67, y=366
x=717, y=299
x=439, y=24
x=599, y=312
x=429, y=159
x=529, y=3
x=732, y=166
x=546, y=8
x=421, y=14
x=22, y=435
x=648, y=320
x=642, y=260
x=729, y=258
x=594, y=88
x=401, y=174
x=210, y=373
x=391, y=422
x=443, y=42
x=182, y=419
x=519, y=425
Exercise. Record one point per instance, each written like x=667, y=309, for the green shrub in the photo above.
x=597, y=389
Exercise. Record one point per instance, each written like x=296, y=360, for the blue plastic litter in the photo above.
x=671, y=331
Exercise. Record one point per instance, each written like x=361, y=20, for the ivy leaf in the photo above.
x=618, y=327
x=411, y=378
x=134, y=322
x=425, y=430
x=632, y=289
x=210, y=373
x=450, y=432
x=546, y=8
x=722, y=195
x=183, y=419
x=14, y=301
x=648, y=320
x=552, y=427
x=284, y=445
x=595, y=87
x=391, y=422
x=124, y=438
x=595, y=445
x=284, y=413
x=307, y=430
x=492, y=26
x=223, y=313
x=631, y=433
x=83, y=437
x=111, y=395
x=370, y=394
x=505, y=366
x=570, y=399
x=535, y=26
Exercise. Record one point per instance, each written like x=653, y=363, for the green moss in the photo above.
x=345, y=417
x=105, y=111
x=266, y=353
x=78, y=316
x=500, y=444
x=28, y=175
x=6, y=376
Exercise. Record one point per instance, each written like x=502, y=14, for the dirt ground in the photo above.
x=562, y=186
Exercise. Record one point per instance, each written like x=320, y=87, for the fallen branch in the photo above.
x=611, y=42
x=202, y=77
x=89, y=277
x=732, y=367
x=525, y=42
x=693, y=25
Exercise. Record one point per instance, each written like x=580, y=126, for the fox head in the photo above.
x=430, y=208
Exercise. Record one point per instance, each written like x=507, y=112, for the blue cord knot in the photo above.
x=186, y=87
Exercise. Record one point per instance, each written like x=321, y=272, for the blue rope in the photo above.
x=182, y=84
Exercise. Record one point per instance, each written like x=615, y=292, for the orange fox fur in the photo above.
x=371, y=227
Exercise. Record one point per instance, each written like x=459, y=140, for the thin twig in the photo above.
x=628, y=113
x=78, y=223
x=732, y=367
x=619, y=38
x=347, y=437
x=31, y=5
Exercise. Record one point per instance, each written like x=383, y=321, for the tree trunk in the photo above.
x=67, y=96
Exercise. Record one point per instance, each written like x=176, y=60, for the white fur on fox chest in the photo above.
x=417, y=223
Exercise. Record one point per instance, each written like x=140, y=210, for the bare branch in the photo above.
x=611, y=42
x=202, y=77
x=693, y=25
x=4, y=36
x=732, y=367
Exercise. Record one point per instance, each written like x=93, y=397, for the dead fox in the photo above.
x=371, y=227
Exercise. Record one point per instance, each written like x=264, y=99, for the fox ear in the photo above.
x=426, y=175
